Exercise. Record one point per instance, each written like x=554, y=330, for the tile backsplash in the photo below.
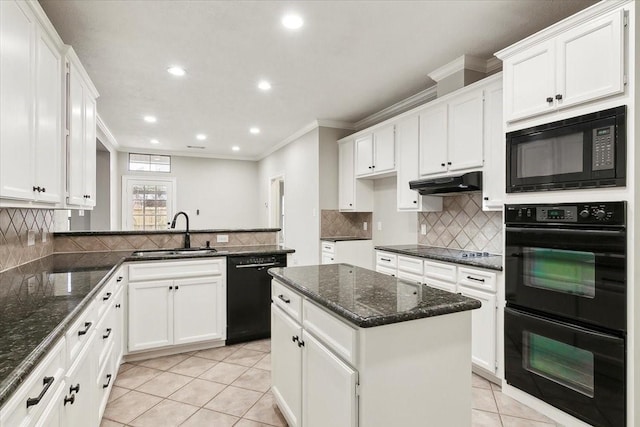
x=462, y=224
x=341, y=224
x=14, y=227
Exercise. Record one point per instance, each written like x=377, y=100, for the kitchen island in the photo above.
x=352, y=347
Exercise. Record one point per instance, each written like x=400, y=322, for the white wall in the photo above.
x=398, y=228
x=225, y=191
x=328, y=152
x=298, y=162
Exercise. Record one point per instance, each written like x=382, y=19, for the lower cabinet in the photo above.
x=78, y=402
x=177, y=310
x=356, y=252
x=483, y=327
x=313, y=387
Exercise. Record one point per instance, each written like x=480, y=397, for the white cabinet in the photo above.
x=30, y=107
x=451, y=134
x=177, y=310
x=78, y=403
x=493, y=175
x=483, y=328
x=579, y=64
x=286, y=365
x=327, y=382
x=81, y=143
x=356, y=252
x=407, y=138
x=375, y=152
x=354, y=195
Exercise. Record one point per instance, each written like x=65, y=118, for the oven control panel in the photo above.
x=609, y=213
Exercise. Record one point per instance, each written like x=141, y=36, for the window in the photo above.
x=149, y=163
x=147, y=203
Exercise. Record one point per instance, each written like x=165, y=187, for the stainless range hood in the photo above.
x=451, y=185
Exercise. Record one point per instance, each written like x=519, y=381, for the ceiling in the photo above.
x=349, y=60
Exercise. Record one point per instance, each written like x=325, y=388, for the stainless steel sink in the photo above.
x=174, y=252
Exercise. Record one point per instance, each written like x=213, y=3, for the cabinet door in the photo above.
x=150, y=314
x=118, y=339
x=407, y=136
x=328, y=387
x=286, y=365
x=48, y=134
x=16, y=101
x=52, y=414
x=76, y=146
x=327, y=258
x=384, y=149
x=493, y=175
x=529, y=80
x=79, y=399
x=364, y=155
x=346, y=177
x=433, y=140
x=198, y=309
x=483, y=329
x=90, y=150
x=590, y=60
x=466, y=136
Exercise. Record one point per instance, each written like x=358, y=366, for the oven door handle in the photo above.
x=567, y=231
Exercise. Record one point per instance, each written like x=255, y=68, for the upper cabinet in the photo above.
x=577, y=65
x=354, y=195
x=81, y=138
x=376, y=152
x=493, y=175
x=30, y=107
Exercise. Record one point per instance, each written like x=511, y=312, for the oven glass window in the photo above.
x=551, y=156
x=571, y=272
x=559, y=362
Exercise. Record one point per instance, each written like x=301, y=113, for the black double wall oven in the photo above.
x=565, y=320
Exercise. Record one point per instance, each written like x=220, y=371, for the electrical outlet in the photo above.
x=222, y=238
x=81, y=212
x=365, y=226
x=423, y=229
x=31, y=237
x=379, y=226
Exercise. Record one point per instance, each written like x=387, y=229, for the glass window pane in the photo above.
x=571, y=272
x=559, y=362
x=149, y=163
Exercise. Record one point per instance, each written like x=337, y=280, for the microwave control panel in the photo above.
x=603, y=154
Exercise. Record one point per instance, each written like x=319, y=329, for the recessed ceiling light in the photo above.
x=176, y=71
x=235, y=148
x=254, y=131
x=201, y=137
x=150, y=119
x=292, y=21
x=154, y=141
x=264, y=85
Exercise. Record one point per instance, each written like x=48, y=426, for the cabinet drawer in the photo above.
x=386, y=270
x=24, y=408
x=440, y=271
x=105, y=297
x=80, y=332
x=104, y=382
x=410, y=265
x=337, y=335
x=410, y=277
x=445, y=286
x=120, y=277
x=475, y=278
x=107, y=332
x=176, y=269
x=385, y=259
x=287, y=299
x=329, y=247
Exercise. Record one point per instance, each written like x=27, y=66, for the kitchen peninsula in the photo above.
x=354, y=347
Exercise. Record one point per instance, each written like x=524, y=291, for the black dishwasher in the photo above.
x=249, y=296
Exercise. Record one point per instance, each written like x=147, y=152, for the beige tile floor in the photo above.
x=229, y=386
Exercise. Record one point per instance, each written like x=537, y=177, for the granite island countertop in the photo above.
x=41, y=299
x=458, y=256
x=366, y=298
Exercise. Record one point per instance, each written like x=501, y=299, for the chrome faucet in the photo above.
x=187, y=237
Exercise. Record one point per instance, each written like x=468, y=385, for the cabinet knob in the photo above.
x=442, y=164
x=415, y=201
x=449, y=163
x=43, y=190
x=170, y=288
x=549, y=100
x=559, y=96
x=350, y=204
x=294, y=338
x=69, y=399
x=485, y=198
x=117, y=305
x=75, y=388
x=36, y=189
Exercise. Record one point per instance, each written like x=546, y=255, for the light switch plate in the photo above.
x=31, y=237
x=222, y=238
x=423, y=229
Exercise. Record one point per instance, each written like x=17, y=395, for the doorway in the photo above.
x=276, y=203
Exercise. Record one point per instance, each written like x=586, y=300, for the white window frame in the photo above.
x=150, y=180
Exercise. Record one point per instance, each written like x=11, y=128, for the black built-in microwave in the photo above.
x=587, y=151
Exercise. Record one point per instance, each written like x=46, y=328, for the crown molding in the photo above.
x=337, y=124
x=413, y=101
x=103, y=130
x=72, y=56
x=461, y=63
x=493, y=65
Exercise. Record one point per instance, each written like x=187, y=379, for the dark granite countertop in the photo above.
x=40, y=300
x=343, y=238
x=367, y=298
x=170, y=231
x=491, y=262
